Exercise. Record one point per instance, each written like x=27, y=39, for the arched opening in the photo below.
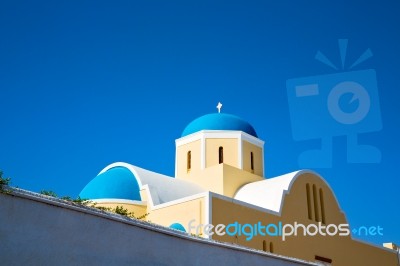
x=264, y=245
x=271, y=247
x=221, y=155
x=189, y=161
x=252, y=162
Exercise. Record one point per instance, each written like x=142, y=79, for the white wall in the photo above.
x=37, y=230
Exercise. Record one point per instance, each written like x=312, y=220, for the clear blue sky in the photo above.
x=84, y=84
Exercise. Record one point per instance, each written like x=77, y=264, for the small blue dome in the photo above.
x=115, y=183
x=177, y=226
x=219, y=121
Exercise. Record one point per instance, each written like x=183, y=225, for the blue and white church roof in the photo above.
x=123, y=181
x=219, y=121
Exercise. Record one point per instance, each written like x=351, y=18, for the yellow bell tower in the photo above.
x=220, y=152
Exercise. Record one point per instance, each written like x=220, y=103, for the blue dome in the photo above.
x=219, y=121
x=115, y=183
x=177, y=226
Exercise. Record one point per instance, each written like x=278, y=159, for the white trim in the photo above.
x=217, y=134
x=253, y=140
x=208, y=210
x=126, y=165
x=176, y=161
x=187, y=139
x=240, y=152
x=146, y=190
x=174, y=202
x=203, y=153
x=263, y=162
x=242, y=203
x=230, y=134
x=124, y=201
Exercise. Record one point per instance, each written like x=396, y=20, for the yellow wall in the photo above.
x=318, y=205
x=210, y=178
x=230, y=151
x=195, y=148
x=341, y=249
x=234, y=179
x=181, y=213
x=226, y=178
x=230, y=158
x=247, y=148
x=222, y=179
x=137, y=209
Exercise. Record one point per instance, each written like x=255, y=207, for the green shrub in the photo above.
x=121, y=210
x=48, y=193
x=4, y=182
x=67, y=198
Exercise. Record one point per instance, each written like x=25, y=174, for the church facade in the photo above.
x=220, y=192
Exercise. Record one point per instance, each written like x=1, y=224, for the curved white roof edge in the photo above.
x=122, y=164
x=270, y=193
x=113, y=200
x=162, y=188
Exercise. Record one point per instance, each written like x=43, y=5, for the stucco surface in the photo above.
x=36, y=230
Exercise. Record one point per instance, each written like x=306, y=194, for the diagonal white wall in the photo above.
x=37, y=230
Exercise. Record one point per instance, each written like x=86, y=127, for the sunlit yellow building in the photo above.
x=219, y=179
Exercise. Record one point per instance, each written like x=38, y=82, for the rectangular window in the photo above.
x=321, y=201
x=189, y=161
x=315, y=196
x=309, y=202
x=323, y=261
x=221, y=154
x=252, y=162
